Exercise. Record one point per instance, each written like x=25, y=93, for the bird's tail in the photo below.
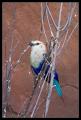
x=57, y=87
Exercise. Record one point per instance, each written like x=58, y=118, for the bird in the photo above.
x=38, y=61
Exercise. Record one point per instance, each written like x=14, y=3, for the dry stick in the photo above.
x=34, y=110
x=63, y=43
x=66, y=40
x=37, y=99
x=51, y=17
x=53, y=57
x=30, y=108
x=41, y=28
x=8, y=67
x=52, y=35
x=68, y=25
x=44, y=99
x=43, y=24
x=54, y=21
x=19, y=60
x=69, y=22
x=39, y=95
x=50, y=87
x=31, y=116
x=15, y=46
x=43, y=83
x=13, y=49
x=69, y=18
x=72, y=32
x=25, y=111
x=47, y=105
x=21, y=113
x=45, y=67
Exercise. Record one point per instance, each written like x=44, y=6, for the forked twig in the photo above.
x=9, y=64
x=53, y=58
x=43, y=23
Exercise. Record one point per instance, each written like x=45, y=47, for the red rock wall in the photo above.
x=27, y=27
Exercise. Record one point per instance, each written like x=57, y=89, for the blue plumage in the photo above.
x=55, y=81
x=37, y=70
x=38, y=53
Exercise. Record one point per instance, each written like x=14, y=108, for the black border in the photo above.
x=1, y=42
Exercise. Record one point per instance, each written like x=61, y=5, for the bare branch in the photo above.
x=21, y=54
x=52, y=35
x=66, y=40
x=43, y=23
x=51, y=17
x=16, y=46
x=53, y=58
x=8, y=66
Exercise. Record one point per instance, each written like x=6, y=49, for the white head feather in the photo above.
x=38, y=49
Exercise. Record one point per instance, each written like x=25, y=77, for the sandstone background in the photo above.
x=27, y=27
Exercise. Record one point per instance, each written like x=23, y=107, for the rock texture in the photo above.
x=27, y=27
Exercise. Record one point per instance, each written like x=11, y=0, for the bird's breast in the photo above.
x=36, y=57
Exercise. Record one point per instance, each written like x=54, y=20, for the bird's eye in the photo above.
x=37, y=43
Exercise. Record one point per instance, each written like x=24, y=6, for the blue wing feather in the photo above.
x=37, y=71
x=56, y=79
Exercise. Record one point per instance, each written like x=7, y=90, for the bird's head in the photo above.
x=37, y=45
x=38, y=49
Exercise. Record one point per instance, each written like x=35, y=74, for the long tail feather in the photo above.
x=57, y=87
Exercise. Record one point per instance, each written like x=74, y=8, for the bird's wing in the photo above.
x=40, y=75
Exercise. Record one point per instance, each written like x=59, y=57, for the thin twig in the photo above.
x=69, y=19
x=66, y=40
x=53, y=57
x=63, y=43
x=68, y=22
x=39, y=94
x=25, y=112
x=72, y=32
x=15, y=46
x=44, y=99
x=43, y=23
x=19, y=59
x=52, y=35
x=8, y=66
x=51, y=17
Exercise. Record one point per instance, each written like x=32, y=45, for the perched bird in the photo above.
x=37, y=58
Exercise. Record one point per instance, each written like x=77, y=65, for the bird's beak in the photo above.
x=30, y=44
